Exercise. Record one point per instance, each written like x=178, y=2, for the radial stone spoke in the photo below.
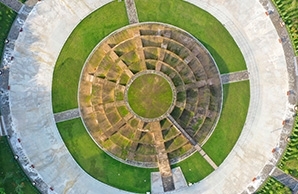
x=163, y=160
x=67, y=115
x=235, y=77
x=285, y=179
x=193, y=142
x=131, y=11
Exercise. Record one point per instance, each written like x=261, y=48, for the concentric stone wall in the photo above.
x=162, y=50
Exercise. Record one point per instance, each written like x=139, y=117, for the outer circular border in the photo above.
x=246, y=136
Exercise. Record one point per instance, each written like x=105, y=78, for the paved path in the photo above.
x=163, y=160
x=285, y=179
x=205, y=156
x=12, y=4
x=30, y=92
x=3, y=131
x=291, y=59
x=6, y=120
x=67, y=115
x=131, y=11
x=7, y=60
x=234, y=77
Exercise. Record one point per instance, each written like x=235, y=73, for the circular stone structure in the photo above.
x=146, y=81
x=252, y=151
x=150, y=95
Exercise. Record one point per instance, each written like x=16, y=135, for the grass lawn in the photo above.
x=274, y=187
x=98, y=164
x=235, y=106
x=150, y=95
x=200, y=24
x=7, y=17
x=195, y=168
x=12, y=177
x=78, y=46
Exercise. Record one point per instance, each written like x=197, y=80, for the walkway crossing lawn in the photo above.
x=7, y=17
x=195, y=168
x=78, y=46
x=12, y=177
x=98, y=164
x=232, y=119
x=200, y=24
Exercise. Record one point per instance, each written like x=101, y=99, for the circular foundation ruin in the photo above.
x=188, y=86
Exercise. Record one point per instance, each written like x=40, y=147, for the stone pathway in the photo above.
x=13, y=4
x=6, y=61
x=205, y=156
x=2, y=127
x=234, y=77
x=178, y=177
x=292, y=69
x=193, y=142
x=131, y=11
x=285, y=179
x=285, y=40
x=6, y=120
x=163, y=160
x=67, y=115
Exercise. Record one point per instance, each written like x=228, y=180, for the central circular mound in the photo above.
x=150, y=95
x=143, y=88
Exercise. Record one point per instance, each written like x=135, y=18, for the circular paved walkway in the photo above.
x=39, y=45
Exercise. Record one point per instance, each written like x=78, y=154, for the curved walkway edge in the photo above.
x=234, y=77
x=6, y=120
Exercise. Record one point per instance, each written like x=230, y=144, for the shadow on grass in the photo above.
x=220, y=62
x=234, y=111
